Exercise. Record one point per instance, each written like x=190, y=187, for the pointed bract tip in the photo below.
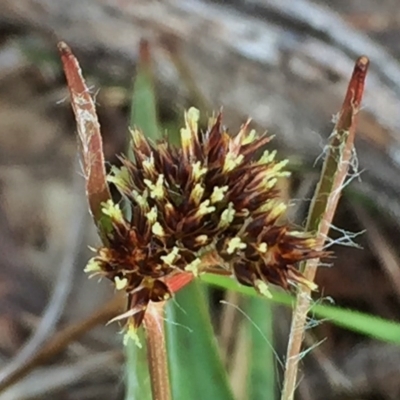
x=63, y=48
x=363, y=62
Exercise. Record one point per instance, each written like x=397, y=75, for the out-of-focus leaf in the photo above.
x=261, y=373
x=366, y=324
x=144, y=104
x=196, y=369
x=88, y=132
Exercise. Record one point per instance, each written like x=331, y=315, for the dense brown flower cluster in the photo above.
x=211, y=205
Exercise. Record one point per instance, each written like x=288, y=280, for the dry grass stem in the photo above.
x=339, y=156
x=157, y=351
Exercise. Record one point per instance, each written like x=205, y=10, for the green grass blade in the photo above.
x=365, y=324
x=261, y=374
x=137, y=371
x=231, y=284
x=196, y=369
x=144, y=103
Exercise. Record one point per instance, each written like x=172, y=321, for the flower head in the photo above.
x=211, y=205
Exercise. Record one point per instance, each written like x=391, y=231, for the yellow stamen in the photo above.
x=218, y=194
x=205, y=208
x=197, y=193
x=194, y=266
x=227, y=216
x=192, y=118
x=141, y=200
x=93, y=266
x=131, y=334
x=152, y=215
x=262, y=288
x=250, y=137
x=267, y=157
x=262, y=247
x=157, y=189
x=277, y=211
x=120, y=283
x=201, y=239
x=235, y=244
x=198, y=171
x=232, y=161
x=170, y=258
x=148, y=164
x=119, y=177
x=112, y=210
x=158, y=230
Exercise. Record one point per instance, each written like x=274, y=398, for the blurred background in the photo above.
x=284, y=63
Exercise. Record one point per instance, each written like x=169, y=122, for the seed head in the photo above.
x=211, y=205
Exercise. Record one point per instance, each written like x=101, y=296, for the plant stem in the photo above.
x=157, y=351
x=322, y=210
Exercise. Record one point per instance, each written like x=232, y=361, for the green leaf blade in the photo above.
x=261, y=374
x=137, y=371
x=144, y=102
x=365, y=324
x=196, y=369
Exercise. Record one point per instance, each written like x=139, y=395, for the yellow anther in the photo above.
x=235, y=244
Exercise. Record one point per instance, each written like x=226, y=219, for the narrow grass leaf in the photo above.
x=196, y=369
x=144, y=104
x=261, y=374
x=356, y=321
x=137, y=371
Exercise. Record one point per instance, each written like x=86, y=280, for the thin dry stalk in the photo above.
x=155, y=339
x=157, y=351
x=339, y=157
